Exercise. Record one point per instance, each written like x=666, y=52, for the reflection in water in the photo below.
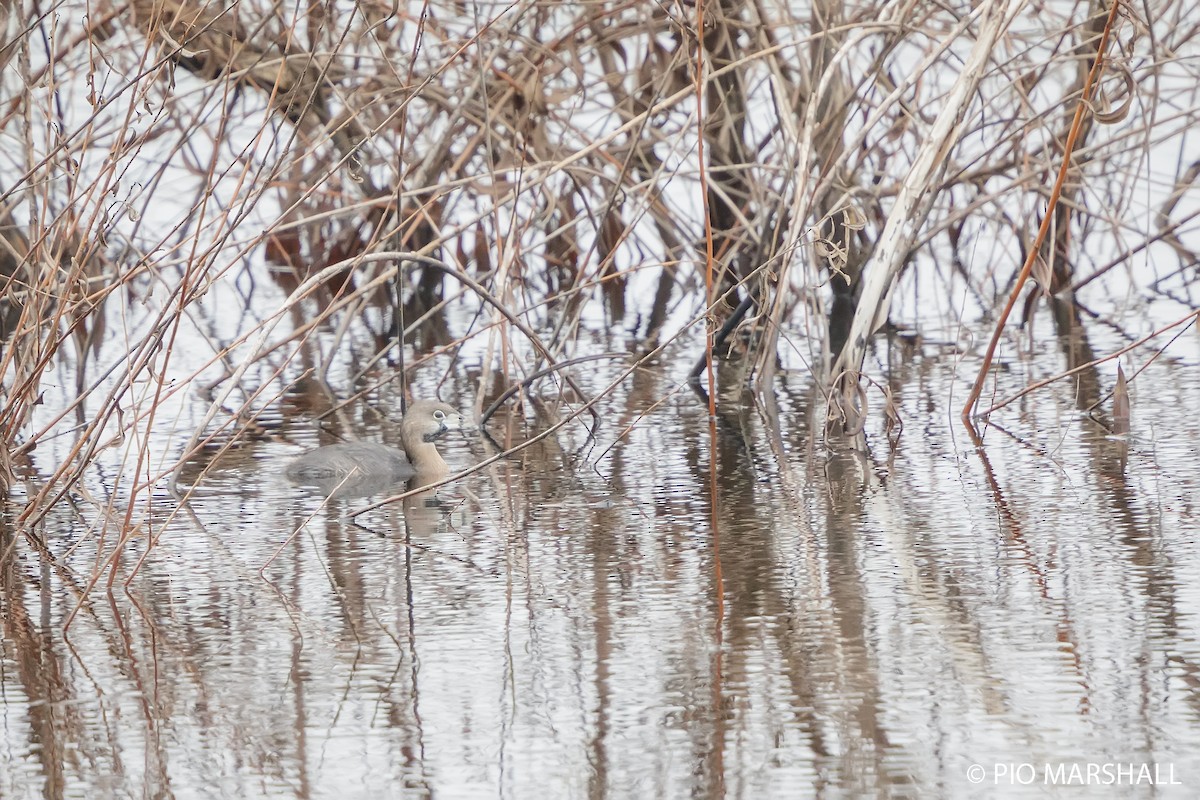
x=621, y=618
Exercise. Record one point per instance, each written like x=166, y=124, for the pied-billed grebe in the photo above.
x=424, y=423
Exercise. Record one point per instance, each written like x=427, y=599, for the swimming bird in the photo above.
x=424, y=423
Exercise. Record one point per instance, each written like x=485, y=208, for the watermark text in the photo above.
x=1075, y=773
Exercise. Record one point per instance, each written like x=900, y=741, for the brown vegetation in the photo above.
x=539, y=158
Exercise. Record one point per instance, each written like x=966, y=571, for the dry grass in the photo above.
x=547, y=157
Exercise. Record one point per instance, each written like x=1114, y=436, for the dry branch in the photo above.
x=908, y=212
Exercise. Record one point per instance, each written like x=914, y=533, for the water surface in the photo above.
x=626, y=617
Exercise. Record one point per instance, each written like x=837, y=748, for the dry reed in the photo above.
x=790, y=160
